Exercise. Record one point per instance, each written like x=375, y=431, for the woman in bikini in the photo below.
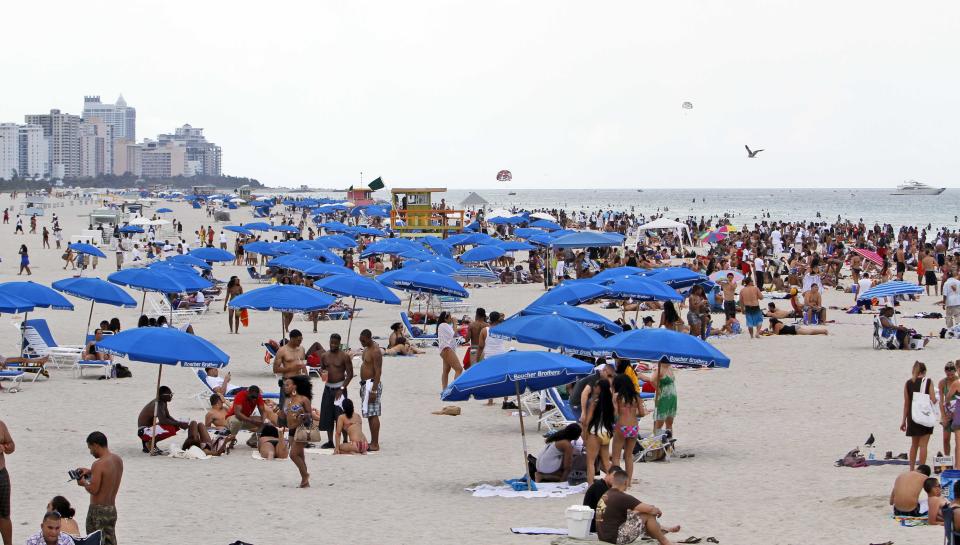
x=398, y=343
x=625, y=433
x=779, y=328
x=599, y=416
x=350, y=423
x=197, y=436
x=299, y=392
x=271, y=444
x=234, y=289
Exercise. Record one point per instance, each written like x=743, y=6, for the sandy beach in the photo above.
x=765, y=434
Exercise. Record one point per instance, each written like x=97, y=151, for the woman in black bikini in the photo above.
x=299, y=392
x=779, y=328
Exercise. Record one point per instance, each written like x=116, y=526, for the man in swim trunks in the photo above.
x=476, y=327
x=813, y=304
x=930, y=273
x=371, y=389
x=7, y=446
x=905, y=496
x=336, y=367
x=750, y=298
x=102, y=481
x=166, y=426
x=290, y=361
x=730, y=296
x=901, y=260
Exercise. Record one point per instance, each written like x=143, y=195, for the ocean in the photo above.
x=744, y=206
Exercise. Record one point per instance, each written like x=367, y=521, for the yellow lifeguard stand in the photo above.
x=413, y=214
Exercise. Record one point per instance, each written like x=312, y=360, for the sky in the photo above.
x=563, y=94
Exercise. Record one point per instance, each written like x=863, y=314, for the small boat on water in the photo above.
x=512, y=193
x=913, y=187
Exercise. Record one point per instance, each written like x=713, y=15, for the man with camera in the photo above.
x=102, y=481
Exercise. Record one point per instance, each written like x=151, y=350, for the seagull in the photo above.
x=870, y=440
x=751, y=154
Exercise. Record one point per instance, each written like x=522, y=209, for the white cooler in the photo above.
x=578, y=521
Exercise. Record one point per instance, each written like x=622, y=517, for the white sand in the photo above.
x=765, y=433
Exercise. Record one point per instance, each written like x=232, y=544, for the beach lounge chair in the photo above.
x=880, y=341
x=421, y=338
x=14, y=376
x=39, y=342
x=160, y=306
x=204, y=395
x=103, y=365
x=257, y=277
x=561, y=414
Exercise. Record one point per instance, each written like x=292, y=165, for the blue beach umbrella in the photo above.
x=572, y=293
x=890, y=289
x=515, y=245
x=131, y=229
x=37, y=295
x=441, y=265
x=551, y=331
x=358, y=287
x=94, y=290
x=677, y=277
x=584, y=239
x=263, y=248
x=11, y=304
x=84, y=248
x=239, y=229
x=283, y=298
x=163, y=346
x=422, y=282
x=212, y=254
x=189, y=260
x=580, y=315
x=159, y=279
x=546, y=224
x=641, y=289
x=258, y=226
x=337, y=241
x=482, y=253
x=286, y=229
x=513, y=373
x=654, y=344
x=163, y=210
x=609, y=274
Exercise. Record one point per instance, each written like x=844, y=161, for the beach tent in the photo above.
x=666, y=223
x=473, y=199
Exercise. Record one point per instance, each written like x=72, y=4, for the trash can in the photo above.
x=578, y=521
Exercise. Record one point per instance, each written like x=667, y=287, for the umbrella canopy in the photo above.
x=239, y=229
x=577, y=314
x=515, y=245
x=616, y=272
x=263, y=248
x=572, y=293
x=163, y=280
x=164, y=346
x=190, y=260
x=358, y=287
x=551, y=331
x=337, y=241
x=212, y=254
x=677, y=277
x=37, y=295
x=11, y=304
x=442, y=266
x=482, y=253
x=891, y=289
x=284, y=298
x=422, y=282
x=258, y=226
x=505, y=374
x=128, y=229
x=641, y=289
x=721, y=276
x=585, y=239
x=475, y=275
x=713, y=236
x=654, y=344
x=546, y=224
x=163, y=210
x=285, y=229
x=96, y=290
x=84, y=248
x=870, y=255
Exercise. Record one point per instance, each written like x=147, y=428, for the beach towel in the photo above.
x=521, y=484
x=192, y=453
x=536, y=531
x=544, y=490
x=887, y=463
x=910, y=522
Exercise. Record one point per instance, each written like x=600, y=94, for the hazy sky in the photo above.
x=563, y=94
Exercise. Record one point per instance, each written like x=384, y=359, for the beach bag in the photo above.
x=244, y=317
x=922, y=410
x=122, y=371
x=852, y=459
x=306, y=434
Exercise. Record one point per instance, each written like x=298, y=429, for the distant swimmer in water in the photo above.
x=751, y=154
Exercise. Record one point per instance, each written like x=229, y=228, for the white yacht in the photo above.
x=913, y=187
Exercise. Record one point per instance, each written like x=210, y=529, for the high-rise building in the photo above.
x=34, y=152
x=120, y=117
x=203, y=158
x=9, y=150
x=163, y=160
x=63, y=132
x=96, y=147
x=127, y=156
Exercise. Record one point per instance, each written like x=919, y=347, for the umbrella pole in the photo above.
x=143, y=302
x=89, y=319
x=350, y=327
x=23, y=333
x=156, y=407
x=523, y=435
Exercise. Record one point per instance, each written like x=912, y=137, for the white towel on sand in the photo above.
x=544, y=490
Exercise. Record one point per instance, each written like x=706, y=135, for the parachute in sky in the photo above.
x=504, y=176
x=687, y=105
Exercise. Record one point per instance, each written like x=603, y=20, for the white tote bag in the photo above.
x=922, y=410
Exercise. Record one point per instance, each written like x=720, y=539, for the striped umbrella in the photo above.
x=891, y=289
x=475, y=275
x=870, y=255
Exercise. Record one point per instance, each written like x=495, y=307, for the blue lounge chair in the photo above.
x=422, y=338
x=38, y=342
x=202, y=375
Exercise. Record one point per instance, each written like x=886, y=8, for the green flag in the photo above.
x=376, y=184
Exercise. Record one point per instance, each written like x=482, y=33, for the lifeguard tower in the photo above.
x=413, y=213
x=360, y=196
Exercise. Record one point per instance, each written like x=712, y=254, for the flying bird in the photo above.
x=751, y=154
x=870, y=440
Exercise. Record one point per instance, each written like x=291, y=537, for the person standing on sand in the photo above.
x=336, y=368
x=371, y=389
x=930, y=272
x=46, y=237
x=948, y=396
x=750, y=298
x=234, y=289
x=447, y=343
x=730, y=296
x=475, y=329
x=7, y=446
x=919, y=435
x=102, y=481
x=299, y=392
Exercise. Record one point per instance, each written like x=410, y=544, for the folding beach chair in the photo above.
x=14, y=376
x=880, y=341
x=96, y=538
x=257, y=277
x=38, y=342
x=951, y=536
x=652, y=447
x=562, y=413
x=421, y=338
x=204, y=395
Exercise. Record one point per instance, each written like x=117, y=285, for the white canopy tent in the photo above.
x=666, y=223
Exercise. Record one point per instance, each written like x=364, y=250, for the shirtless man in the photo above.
x=856, y=263
x=336, y=368
x=166, y=425
x=7, y=446
x=930, y=272
x=901, y=260
x=813, y=303
x=102, y=481
x=750, y=298
x=774, y=312
x=905, y=496
x=290, y=361
x=216, y=417
x=474, y=330
x=371, y=389
x=935, y=501
x=730, y=296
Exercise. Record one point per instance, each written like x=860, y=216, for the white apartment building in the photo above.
x=9, y=150
x=34, y=152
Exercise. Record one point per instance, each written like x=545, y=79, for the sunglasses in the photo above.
x=950, y=369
